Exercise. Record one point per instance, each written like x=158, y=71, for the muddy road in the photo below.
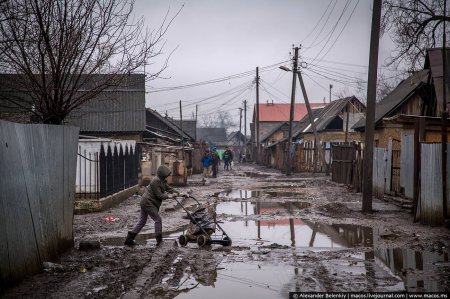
x=297, y=233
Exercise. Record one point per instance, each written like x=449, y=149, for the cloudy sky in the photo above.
x=218, y=45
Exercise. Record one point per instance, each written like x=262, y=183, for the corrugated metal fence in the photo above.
x=37, y=187
x=431, y=209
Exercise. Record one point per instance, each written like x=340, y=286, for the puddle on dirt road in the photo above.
x=408, y=270
x=288, y=231
x=296, y=232
x=239, y=194
x=249, y=280
x=246, y=208
x=246, y=194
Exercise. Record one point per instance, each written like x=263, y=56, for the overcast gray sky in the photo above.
x=216, y=39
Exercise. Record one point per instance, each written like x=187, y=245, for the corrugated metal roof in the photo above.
x=274, y=130
x=170, y=123
x=393, y=100
x=329, y=113
x=189, y=126
x=280, y=112
x=111, y=111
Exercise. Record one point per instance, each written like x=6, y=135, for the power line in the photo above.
x=193, y=102
x=334, y=28
x=217, y=80
x=342, y=30
x=318, y=22
x=323, y=27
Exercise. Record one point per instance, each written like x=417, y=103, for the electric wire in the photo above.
x=217, y=80
x=340, y=33
x=333, y=30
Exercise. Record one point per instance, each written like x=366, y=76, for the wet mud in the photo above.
x=301, y=233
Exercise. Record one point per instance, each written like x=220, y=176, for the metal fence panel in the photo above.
x=431, y=205
x=37, y=186
x=407, y=163
x=448, y=179
x=388, y=175
x=379, y=171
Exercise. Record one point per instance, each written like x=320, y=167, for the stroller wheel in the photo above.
x=227, y=241
x=183, y=240
x=202, y=240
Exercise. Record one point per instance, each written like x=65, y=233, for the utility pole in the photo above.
x=370, y=113
x=257, y=115
x=245, y=129
x=182, y=132
x=291, y=113
x=347, y=110
x=319, y=149
x=240, y=126
x=444, y=118
x=331, y=86
x=196, y=113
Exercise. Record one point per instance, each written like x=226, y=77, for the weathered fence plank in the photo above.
x=37, y=192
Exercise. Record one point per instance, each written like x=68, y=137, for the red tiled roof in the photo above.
x=280, y=112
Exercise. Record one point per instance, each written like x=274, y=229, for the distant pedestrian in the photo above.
x=228, y=158
x=206, y=163
x=155, y=193
x=215, y=161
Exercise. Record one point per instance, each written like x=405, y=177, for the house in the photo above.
x=272, y=116
x=162, y=129
x=212, y=136
x=410, y=97
x=333, y=122
x=188, y=125
x=116, y=112
x=408, y=141
x=236, y=139
x=166, y=143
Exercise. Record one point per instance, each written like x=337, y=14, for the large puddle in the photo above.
x=252, y=278
x=408, y=270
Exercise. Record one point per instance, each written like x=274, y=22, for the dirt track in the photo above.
x=302, y=233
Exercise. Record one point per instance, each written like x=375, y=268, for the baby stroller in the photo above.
x=202, y=228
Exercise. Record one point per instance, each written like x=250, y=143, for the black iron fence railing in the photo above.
x=100, y=174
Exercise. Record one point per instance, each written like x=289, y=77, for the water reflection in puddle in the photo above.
x=297, y=233
x=246, y=194
x=245, y=208
x=239, y=194
x=249, y=280
x=417, y=269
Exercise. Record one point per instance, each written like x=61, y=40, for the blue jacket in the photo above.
x=206, y=161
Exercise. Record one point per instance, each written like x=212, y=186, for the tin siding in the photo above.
x=38, y=190
x=431, y=206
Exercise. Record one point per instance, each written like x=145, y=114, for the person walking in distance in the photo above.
x=215, y=161
x=157, y=191
x=227, y=157
x=206, y=162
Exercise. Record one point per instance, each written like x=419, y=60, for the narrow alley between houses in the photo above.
x=289, y=233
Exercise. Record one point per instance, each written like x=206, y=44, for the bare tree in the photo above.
x=220, y=119
x=59, y=48
x=414, y=26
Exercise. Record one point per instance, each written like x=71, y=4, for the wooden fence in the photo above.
x=347, y=164
x=304, y=157
x=37, y=187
